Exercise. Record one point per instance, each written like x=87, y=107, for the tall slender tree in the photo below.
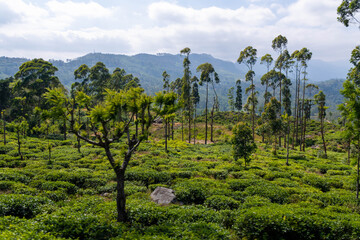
x=321, y=101
x=351, y=107
x=230, y=96
x=238, y=99
x=266, y=59
x=195, y=99
x=186, y=89
x=208, y=75
x=249, y=58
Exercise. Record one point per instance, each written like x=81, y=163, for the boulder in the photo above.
x=163, y=196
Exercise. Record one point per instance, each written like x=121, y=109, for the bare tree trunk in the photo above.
x=172, y=129
x=65, y=130
x=322, y=136
x=358, y=165
x=166, y=136
x=195, y=124
x=4, y=130
x=349, y=152
x=212, y=125
x=182, y=126
x=288, y=143
x=120, y=196
x=19, y=145
x=206, y=111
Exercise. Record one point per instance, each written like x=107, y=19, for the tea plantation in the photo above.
x=72, y=194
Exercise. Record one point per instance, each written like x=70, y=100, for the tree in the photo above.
x=266, y=59
x=231, y=98
x=166, y=81
x=195, y=96
x=165, y=107
x=110, y=122
x=320, y=100
x=305, y=56
x=348, y=11
x=271, y=120
x=99, y=77
x=186, y=88
x=31, y=82
x=208, y=75
x=20, y=127
x=248, y=57
x=279, y=45
x=243, y=142
x=351, y=107
x=238, y=99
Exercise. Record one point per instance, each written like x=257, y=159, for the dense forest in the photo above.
x=107, y=156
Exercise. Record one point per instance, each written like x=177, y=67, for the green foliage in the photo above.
x=20, y=205
x=243, y=143
x=219, y=202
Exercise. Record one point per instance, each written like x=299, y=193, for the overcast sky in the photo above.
x=59, y=29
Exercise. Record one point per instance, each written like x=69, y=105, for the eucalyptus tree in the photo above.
x=238, y=98
x=351, y=107
x=166, y=81
x=295, y=56
x=279, y=45
x=195, y=98
x=186, y=89
x=348, y=12
x=266, y=59
x=305, y=56
x=120, y=80
x=320, y=99
x=287, y=114
x=249, y=58
x=230, y=96
x=165, y=107
x=271, y=121
x=208, y=75
x=111, y=122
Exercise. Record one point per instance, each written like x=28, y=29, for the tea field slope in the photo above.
x=72, y=195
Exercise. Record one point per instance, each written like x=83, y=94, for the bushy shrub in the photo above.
x=190, y=192
x=219, y=202
x=148, y=177
x=316, y=181
x=242, y=184
x=20, y=205
x=291, y=222
x=275, y=193
x=69, y=223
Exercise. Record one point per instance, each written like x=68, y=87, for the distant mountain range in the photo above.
x=149, y=68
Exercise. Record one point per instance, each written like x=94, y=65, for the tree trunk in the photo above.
x=172, y=129
x=349, y=152
x=322, y=136
x=65, y=130
x=182, y=126
x=358, y=165
x=253, y=109
x=212, y=125
x=304, y=133
x=288, y=144
x=120, y=196
x=4, y=130
x=19, y=145
x=166, y=126
x=195, y=124
x=189, y=120
x=206, y=111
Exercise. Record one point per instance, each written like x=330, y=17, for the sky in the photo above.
x=57, y=29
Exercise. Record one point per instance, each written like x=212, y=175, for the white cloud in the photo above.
x=56, y=28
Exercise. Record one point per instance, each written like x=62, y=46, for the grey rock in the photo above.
x=163, y=196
